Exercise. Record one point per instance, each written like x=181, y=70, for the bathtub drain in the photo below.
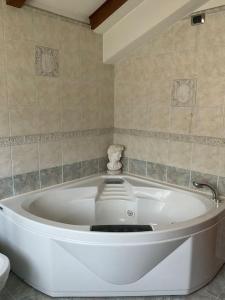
x=130, y=213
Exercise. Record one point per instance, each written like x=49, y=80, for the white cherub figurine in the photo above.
x=114, y=153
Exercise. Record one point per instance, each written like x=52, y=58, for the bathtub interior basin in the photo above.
x=117, y=201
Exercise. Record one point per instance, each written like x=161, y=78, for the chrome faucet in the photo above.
x=213, y=190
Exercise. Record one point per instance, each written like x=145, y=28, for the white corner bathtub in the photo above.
x=47, y=236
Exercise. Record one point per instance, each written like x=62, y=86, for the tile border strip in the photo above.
x=176, y=137
x=171, y=175
x=51, y=137
x=58, y=136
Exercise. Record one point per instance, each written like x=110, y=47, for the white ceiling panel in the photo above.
x=77, y=9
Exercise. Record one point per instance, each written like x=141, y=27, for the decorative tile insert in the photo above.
x=46, y=61
x=183, y=92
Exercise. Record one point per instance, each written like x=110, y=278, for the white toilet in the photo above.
x=4, y=270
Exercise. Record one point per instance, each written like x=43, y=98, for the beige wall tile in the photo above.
x=72, y=119
x=25, y=120
x=5, y=162
x=25, y=158
x=164, y=64
x=1, y=25
x=181, y=119
x=212, y=32
x=70, y=62
x=90, y=152
x=123, y=106
x=20, y=57
x=160, y=117
x=180, y=154
x=137, y=149
x=158, y=150
x=104, y=141
x=160, y=91
x=208, y=121
x=205, y=159
x=3, y=86
x=87, y=67
x=76, y=149
x=163, y=43
x=106, y=104
x=88, y=40
x=210, y=61
x=49, y=119
x=72, y=93
x=69, y=35
x=18, y=23
x=50, y=155
x=47, y=91
x=21, y=90
x=185, y=64
x=221, y=157
x=4, y=122
x=72, y=150
x=210, y=91
x=184, y=36
x=46, y=29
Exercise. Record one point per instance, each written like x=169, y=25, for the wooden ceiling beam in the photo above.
x=16, y=3
x=104, y=11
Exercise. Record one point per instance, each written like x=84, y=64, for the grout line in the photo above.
x=62, y=160
x=39, y=164
x=166, y=173
x=189, y=184
x=217, y=182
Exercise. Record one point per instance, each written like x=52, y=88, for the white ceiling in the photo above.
x=212, y=4
x=76, y=9
x=80, y=10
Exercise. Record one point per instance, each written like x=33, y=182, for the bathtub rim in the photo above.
x=82, y=233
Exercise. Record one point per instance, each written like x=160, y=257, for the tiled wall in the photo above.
x=169, y=102
x=56, y=100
